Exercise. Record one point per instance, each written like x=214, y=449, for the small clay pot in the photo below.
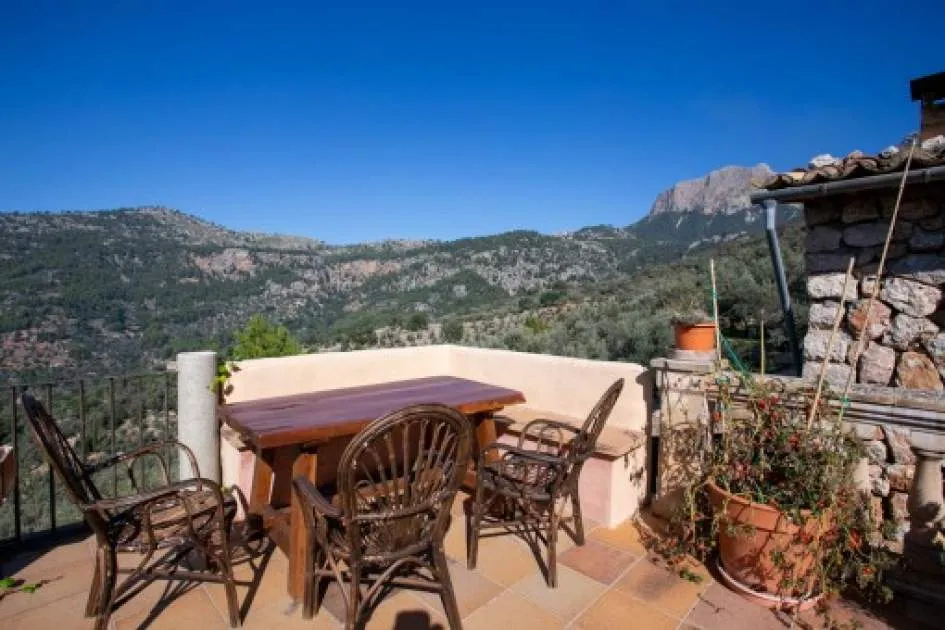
x=697, y=338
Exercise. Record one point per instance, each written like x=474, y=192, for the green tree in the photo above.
x=261, y=338
x=453, y=330
x=418, y=321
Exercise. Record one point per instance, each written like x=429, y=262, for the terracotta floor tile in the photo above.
x=270, y=587
x=150, y=597
x=400, y=606
x=405, y=612
x=57, y=582
x=191, y=610
x=69, y=553
x=721, y=609
x=598, y=561
x=513, y=611
x=281, y=615
x=63, y=614
x=844, y=613
x=574, y=592
x=471, y=588
x=624, y=537
x=504, y=561
x=660, y=588
x=454, y=543
x=618, y=611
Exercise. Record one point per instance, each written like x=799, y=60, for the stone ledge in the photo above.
x=700, y=366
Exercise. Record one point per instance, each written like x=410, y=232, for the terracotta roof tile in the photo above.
x=858, y=164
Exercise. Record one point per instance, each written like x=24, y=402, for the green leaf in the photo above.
x=29, y=588
x=7, y=582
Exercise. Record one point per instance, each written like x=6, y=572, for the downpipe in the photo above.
x=771, y=208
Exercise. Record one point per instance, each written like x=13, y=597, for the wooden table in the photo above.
x=305, y=434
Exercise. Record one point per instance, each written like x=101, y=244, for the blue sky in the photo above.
x=439, y=120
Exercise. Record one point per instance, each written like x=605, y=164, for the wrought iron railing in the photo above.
x=100, y=417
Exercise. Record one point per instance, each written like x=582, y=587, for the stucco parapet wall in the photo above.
x=567, y=385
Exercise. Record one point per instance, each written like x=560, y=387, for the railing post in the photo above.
x=196, y=413
x=926, y=505
x=922, y=576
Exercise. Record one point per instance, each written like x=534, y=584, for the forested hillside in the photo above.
x=124, y=290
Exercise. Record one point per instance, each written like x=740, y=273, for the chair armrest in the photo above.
x=143, y=498
x=312, y=499
x=154, y=448
x=543, y=424
x=515, y=451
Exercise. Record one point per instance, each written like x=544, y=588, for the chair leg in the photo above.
x=94, y=603
x=229, y=585
x=317, y=586
x=311, y=595
x=107, y=597
x=354, y=598
x=472, y=529
x=578, y=519
x=553, y=550
x=446, y=594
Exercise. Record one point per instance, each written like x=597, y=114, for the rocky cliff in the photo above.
x=724, y=191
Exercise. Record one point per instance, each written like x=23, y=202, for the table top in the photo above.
x=321, y=416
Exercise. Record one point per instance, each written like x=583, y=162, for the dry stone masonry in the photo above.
x=906, y=327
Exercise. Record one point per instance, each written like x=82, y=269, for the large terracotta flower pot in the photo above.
x=697, y=338
x=752, y=536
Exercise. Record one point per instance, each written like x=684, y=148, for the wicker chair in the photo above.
x=182, y=520
x=386, y=524
x=526, y=488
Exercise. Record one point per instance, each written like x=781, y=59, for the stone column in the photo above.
x=926, y=505
x=197, y=413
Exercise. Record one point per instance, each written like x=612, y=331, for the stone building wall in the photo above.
x=906, y=346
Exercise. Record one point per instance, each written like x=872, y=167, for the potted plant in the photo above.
x=694, y=330
x=777, y=505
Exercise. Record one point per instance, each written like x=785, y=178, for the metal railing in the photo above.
x=100, y=417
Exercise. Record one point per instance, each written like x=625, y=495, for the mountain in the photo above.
x=709, y=210
x=125, y=289
x=723, y=191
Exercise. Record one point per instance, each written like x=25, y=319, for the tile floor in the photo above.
x=609, y=583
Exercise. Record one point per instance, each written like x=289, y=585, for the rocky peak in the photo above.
x=724, y=191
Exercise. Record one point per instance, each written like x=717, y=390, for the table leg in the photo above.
x=262, y=483
x=305, y=464
x=485, y=434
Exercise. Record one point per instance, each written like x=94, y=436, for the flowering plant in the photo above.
x=778, y=450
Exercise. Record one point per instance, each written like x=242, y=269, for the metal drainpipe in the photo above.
x=771, y=207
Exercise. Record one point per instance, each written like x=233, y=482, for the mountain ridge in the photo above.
x=113, y=287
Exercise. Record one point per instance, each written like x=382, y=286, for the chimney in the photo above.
x=930, y=92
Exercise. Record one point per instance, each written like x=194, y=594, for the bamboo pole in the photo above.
x=861, y=341
x=830, y=340
x=762, y=330
x=715, y=313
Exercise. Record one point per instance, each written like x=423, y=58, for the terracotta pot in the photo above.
x=698, y=338
x=746, y=554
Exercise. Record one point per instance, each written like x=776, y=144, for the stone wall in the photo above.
x=906, y=331
x=891, y=471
